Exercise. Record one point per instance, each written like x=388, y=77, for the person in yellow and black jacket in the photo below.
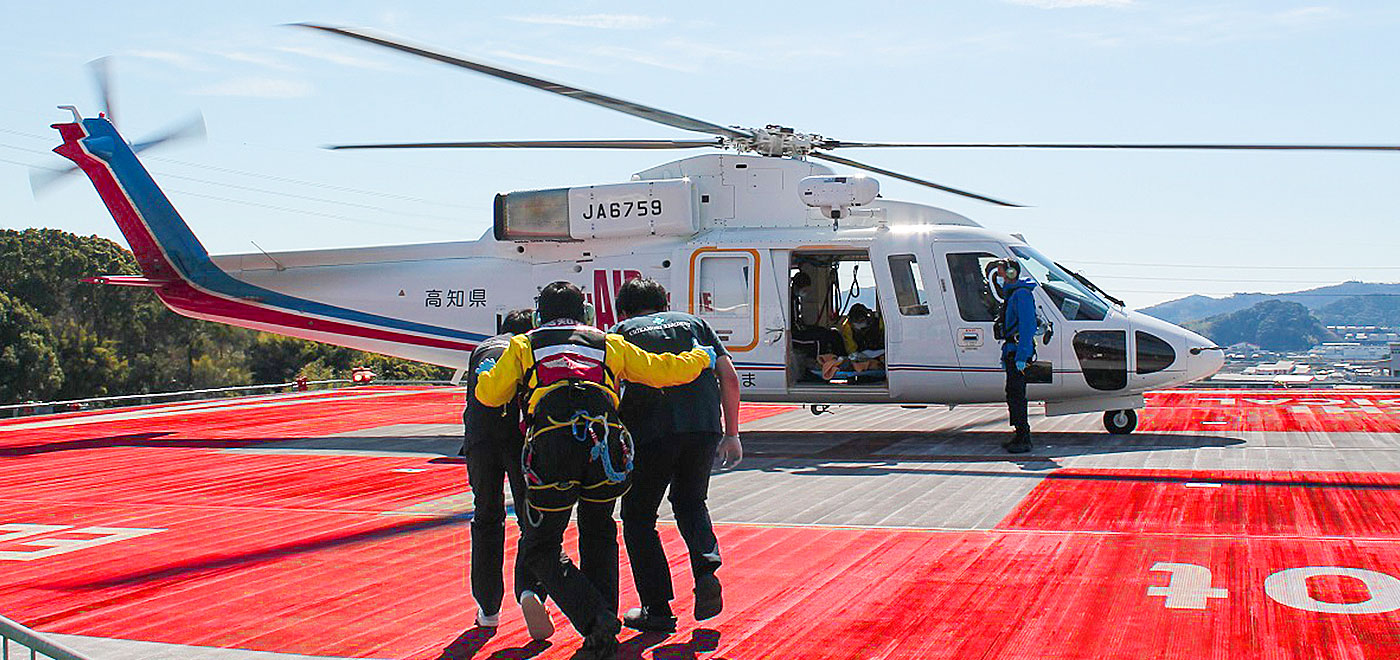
x=576, y=451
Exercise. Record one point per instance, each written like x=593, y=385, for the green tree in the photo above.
x=29, y=367
x=91, y=366
x=94, y=340
x=278, y=359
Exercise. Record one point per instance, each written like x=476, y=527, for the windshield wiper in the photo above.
x=1085, y=281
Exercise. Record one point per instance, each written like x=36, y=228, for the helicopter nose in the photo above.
x=1203, y=357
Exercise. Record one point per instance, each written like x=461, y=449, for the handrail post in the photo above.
x=34, y=641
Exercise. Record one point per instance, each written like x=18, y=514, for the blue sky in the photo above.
x=1148, y=226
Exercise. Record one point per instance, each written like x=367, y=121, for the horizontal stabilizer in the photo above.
x=126, y=280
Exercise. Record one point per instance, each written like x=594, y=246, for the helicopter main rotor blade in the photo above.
x=543, y=144
x=102, y=75
x=905, y=177
x=838, y=144
x=612, y=103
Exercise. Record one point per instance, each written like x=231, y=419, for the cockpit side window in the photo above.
x=975, y=300
x=908, y=285
x=1074, y=301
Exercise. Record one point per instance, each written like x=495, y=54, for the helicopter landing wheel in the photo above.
x=1120, y=422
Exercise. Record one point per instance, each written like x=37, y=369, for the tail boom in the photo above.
x=178, y=268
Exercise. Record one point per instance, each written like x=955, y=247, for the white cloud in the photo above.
x=180, y=60
x=647, y=58
x=267, y=88
x=534, y=59
x=336, y=58
x=1066, y=4
x=255, y=59
x=599, y=21
x=1307, y=15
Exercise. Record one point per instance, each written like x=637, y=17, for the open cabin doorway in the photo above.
x=836, y=332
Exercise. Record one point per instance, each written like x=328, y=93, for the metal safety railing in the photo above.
x=45, y=407
x=73, y=405
x=14, y=633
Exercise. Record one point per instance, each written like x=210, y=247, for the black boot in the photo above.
x=601, y=641
x=709, y=598
x=650, y=619
x=1021, y=441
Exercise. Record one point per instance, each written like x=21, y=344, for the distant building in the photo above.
x=1349, y=350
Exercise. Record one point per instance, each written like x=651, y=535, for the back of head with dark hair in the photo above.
x=641, y=295
x=518, y=321
x=859, y=312
x=560, y=300
x=801, y=279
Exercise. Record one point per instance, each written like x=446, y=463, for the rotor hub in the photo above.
x=777, y=141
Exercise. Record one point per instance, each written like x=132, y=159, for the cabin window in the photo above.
x=723, y=296
x=1103, y=356
x=1153, y=353
x=974, y=296
x=908, y=285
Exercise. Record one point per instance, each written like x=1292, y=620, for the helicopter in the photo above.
x=728, y=234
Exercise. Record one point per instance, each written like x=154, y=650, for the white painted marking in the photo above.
x=1201, y=484
x=1214, y=421
x=1221, y=401
x=409, y=470
x=1189, y=587
x=56, y=545
x=1367, y=406
x=1290, y=587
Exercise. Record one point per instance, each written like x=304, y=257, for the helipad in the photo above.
x=1239, y=524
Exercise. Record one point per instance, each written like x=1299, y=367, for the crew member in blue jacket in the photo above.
x=1017, y=348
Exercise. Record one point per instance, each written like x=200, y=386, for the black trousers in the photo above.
x=588, y=595
x=1015, y=392
x=681, y=461
x=824, y=340
x=491, y=462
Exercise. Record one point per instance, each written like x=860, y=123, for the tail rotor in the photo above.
x=41, y=178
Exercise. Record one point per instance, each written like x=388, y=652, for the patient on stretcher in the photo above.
x=863, y=338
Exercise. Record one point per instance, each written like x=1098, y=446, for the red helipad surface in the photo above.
x=144, y=529
x=1376, y=411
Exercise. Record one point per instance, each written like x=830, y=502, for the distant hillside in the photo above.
x=1196, y=307
x=1274, y=325
x=1362, y=310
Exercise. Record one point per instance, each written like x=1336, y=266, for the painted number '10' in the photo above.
x=1189, y=588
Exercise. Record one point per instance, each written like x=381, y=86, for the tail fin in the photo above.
x=165, y=247
x=188, y=281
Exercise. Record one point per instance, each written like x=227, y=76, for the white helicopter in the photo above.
x=725, y=233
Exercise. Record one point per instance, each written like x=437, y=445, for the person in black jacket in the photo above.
x=492, y=448
x=678, y=433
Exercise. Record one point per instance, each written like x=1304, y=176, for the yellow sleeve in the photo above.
x=496, y=387
x=848, y=336
x=655, y=369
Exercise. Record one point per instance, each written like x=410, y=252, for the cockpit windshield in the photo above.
x=1075, y=301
